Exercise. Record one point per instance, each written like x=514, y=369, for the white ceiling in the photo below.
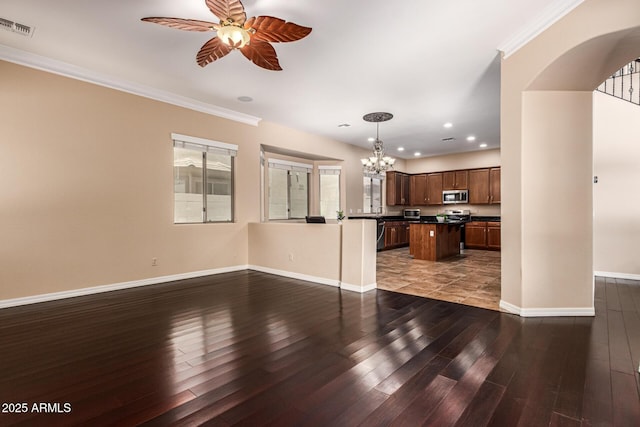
x=425, y=61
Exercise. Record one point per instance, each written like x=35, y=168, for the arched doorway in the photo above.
x=546, y=121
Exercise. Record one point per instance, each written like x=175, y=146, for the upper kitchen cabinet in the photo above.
x=484, y=186
x=494, y=185
x=426, y=189
x=418, y=187
x=455, y=180
x=434, y=188
x=397, y=188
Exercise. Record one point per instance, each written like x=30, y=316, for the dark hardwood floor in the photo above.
x=253, y=349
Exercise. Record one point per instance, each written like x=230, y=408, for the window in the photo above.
x=329, y=190
x=372, y=200
x=203, y=180
x=288, y=189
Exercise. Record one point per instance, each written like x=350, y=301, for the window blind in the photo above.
x=204, y=145
x=291, y=166
x=329, y=170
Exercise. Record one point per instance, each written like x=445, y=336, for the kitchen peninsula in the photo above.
x=433, y=241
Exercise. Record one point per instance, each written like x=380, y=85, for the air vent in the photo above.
x=448, y=139
x=15, y=27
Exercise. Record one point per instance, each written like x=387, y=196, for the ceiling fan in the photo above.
x=234, y=31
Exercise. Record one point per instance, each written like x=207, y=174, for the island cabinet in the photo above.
x=397, y=188
x=455, y=180
x=484, y=186
x=396, y=234
x=482, y=235
x=433, y=242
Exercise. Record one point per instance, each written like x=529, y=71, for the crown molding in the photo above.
x=537, y=25
x=42, y=63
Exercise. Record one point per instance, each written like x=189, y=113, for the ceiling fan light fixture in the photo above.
x=234, y=35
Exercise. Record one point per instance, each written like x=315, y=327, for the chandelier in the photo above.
x=378, y=162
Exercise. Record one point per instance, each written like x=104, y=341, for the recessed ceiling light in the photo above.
x=245, y=99
x=400, y=148
x=417, y=153
x=344, y=125
x=483, y=145
x=471, y=138
x=448, y=125
x=371, y=139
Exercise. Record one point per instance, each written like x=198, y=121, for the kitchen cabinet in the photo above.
x=418, y=190
x=426, y=189
x=482, y=235
x=397, y=188
x=484, y=186
x=494, y=185
x=455, y=180
x=433, y=242
x=434, y=188
x=396, y=234
x=493, y=235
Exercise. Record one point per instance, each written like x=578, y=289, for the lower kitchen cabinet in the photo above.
x=396, y=234
x=482, y=235
x=493, y=235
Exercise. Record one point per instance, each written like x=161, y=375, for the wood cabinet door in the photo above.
x=434, y=188
x=494, y=190
x=461, y=180
x=448, y=180
x=479, y=186
x=404, y=191
x=418, y=190
x=390, y=235
x=493, y=235
x=391, y=188
x=475, y=235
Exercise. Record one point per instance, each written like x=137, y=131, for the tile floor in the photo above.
x=471, y=278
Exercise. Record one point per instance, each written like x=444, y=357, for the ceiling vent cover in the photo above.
x=15, y=27
x=448, y=139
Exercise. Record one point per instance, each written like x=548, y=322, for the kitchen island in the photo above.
x=433, y=241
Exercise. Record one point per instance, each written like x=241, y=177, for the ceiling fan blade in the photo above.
x=270, y=29
x=262, y=54
x=225, y=9
x=212, y=50
x=183, y=24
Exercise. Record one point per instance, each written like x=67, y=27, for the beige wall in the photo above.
x=87, y=194
x=603, y=35
x=616, y=218
x=306, y=250
x=556, y=141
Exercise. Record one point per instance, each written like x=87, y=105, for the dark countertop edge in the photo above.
x=485, y=218
x=424, y=218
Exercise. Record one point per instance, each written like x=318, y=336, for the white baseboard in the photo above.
x=358, y=288
x=293, y=275
x=617, y=275
x=548, y=312
x=115, y=286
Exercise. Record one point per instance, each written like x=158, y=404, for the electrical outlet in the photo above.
x=290, y=257
x=154, y=262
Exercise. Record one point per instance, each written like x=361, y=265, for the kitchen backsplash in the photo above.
x=476, y=210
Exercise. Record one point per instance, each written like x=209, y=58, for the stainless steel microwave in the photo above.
x=455, y=196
